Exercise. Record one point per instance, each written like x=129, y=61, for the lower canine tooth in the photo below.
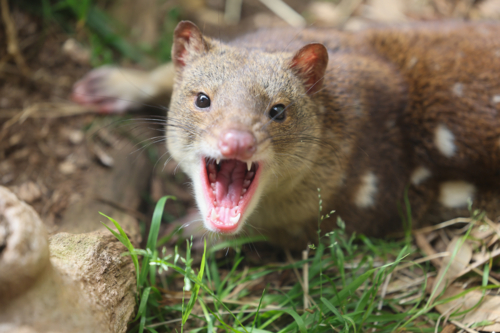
x=235, y=219
x=213, y=215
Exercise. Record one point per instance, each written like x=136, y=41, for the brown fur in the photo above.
x=385, y=94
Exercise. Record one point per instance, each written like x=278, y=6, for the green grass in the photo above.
x=346, y=276
x=106, y=37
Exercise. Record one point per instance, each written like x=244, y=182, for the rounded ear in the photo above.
x=309, y=63
x=188, y=40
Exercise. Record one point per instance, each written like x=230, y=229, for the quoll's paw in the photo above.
x=109, y=89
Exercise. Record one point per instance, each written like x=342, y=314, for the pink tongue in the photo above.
x=229, y=183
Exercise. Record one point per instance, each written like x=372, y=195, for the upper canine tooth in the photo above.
x=249, y=165
x=218, y=161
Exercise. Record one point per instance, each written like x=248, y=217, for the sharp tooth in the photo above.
x=235, y=219
x=213, y=215
x=218, y=161
x=249, y=165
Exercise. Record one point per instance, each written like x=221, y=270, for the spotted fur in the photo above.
x=394, y=101
x=404, y=107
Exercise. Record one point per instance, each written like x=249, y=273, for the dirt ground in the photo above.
x=41, y=158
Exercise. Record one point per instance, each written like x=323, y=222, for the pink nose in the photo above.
x=237, y=144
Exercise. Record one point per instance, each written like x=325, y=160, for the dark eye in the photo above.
x=277, y=113
x=202, y=101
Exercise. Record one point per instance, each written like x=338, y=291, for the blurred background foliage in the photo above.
x=130, y=31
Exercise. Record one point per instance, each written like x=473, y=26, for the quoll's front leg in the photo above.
x=116, y=90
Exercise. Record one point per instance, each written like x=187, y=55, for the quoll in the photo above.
x=263, y=121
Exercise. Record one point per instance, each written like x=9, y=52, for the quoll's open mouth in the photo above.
x=228, y=186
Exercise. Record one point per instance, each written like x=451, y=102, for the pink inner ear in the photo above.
x=310, y=63
x=187, y=38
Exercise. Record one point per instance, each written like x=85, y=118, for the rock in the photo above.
x=85, y=285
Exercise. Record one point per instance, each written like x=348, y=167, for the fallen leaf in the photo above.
x=449, y=271
x=488, y=310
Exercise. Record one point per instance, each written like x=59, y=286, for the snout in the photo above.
x=237, y=144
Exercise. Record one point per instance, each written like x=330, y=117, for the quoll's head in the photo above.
x=241, y=122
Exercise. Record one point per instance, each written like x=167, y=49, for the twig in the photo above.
x=345, y=9
x=232, y=13
x=47, y=110
x=479, y=263
x=424, y=245
x=12, y=44
x=285, y=12
x=297, y=274
x=490, y=278
x=493, y=226
x=462, y=326
x=445, y=224
x=421, y=260
x=305, y=277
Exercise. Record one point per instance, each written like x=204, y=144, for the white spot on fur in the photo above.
x=413, y=61
x=458, y=89
x=367, y=190
x=419, y=175
x=454, y=194
x=358, y=107
x=390, y=123
x=495, y=99
x=445, y=141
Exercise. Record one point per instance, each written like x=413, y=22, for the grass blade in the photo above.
x=156, y=222
x=298, y=319
x=258, y=309
x=123, y=238
x=144, y=302
x=196, y=288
